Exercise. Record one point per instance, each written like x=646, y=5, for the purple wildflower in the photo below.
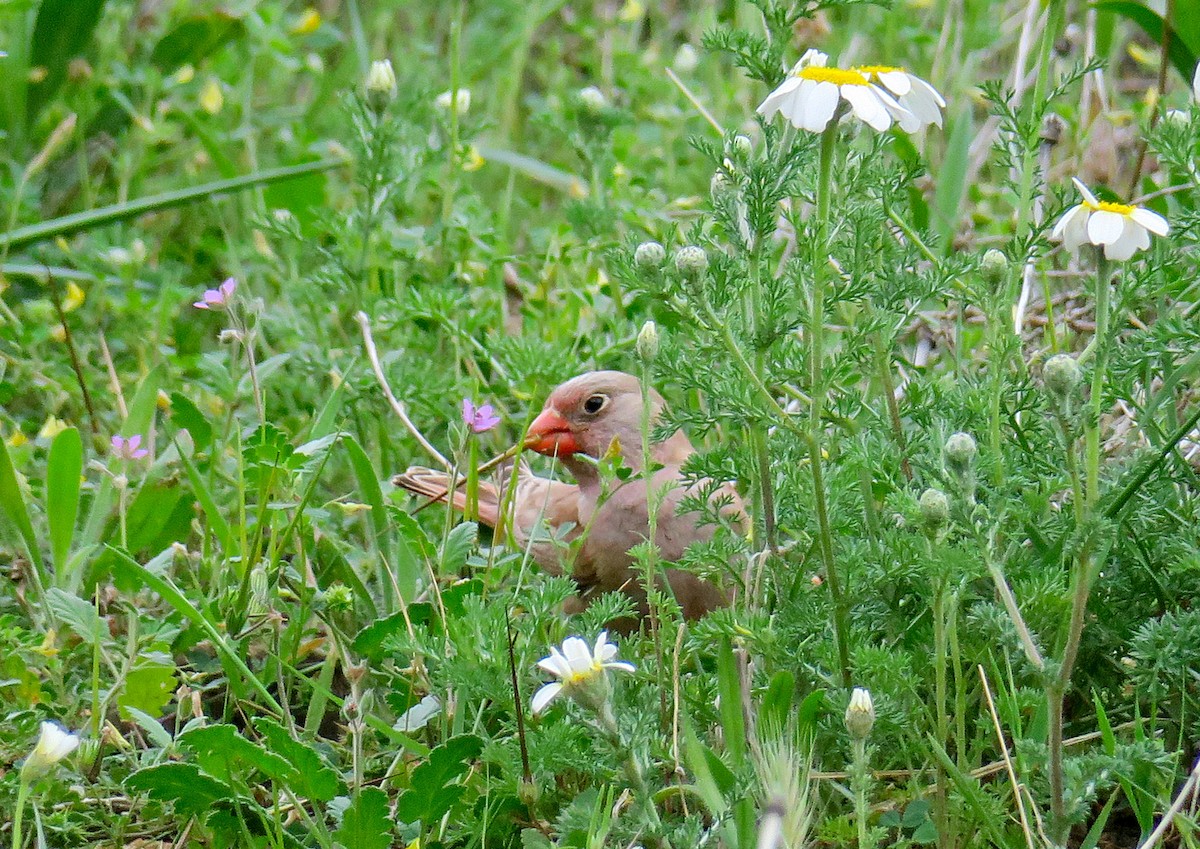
x=219, y=298
x=128, y=449
x=479, y=419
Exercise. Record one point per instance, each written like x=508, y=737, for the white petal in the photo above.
x=622, y=665
x=1196, y=84
x=1083, y=190
x=1152, y=221
x=604, y=650
x=1125, y=245
x=1105, y=227
x=924, y=105
x=822, y=100
x=774, y=100
x=922, y=87
x=578, y=654
x=1065, y=221
x=868, y=106
x=545, y=695
x=1075, y=233
x=556, y=664
x=897, y=82
x=812, y=58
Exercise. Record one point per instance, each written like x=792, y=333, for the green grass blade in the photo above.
x=63, y=472
x=88, y=219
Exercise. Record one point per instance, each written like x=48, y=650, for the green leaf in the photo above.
x=158, y=735
x=312, y=778
x=365, y=824
x=433, y=792
x=926, y=832
x=460, y=542
x=101, y=215
x=187, y=416
x=190, y=790
x=732, y=721
x=63, y=470
x=63, y=31
x=78, y=614
x=13, y=501
x=372, y=493
x=225, y=754
x=369, y=642
x=1184, y=43
x=951, y=187
x=777, y=702
x=194, y=39
x=148, y=687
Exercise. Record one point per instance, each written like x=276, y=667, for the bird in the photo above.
x=586, y=419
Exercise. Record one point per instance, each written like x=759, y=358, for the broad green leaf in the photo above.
x=434, y=790
x=80, y=615
x=313, y=778
x=365, y=823
x=776, y=703
x=370, y=641
x=459, y=543
x=13, y=501
x=224, y=753
x=1184, y=43
x=951, y=187
x=194, y=39
x=185, y=415
x=148, y=687
x=63, y=31
x=190, y=790
x=63, y=470
x=732, y=721
x=158, y=735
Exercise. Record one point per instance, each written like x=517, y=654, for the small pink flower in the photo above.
x=479, y=419
x=127, y=449
x=219, y=298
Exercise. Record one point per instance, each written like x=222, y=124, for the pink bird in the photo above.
x=583, y=419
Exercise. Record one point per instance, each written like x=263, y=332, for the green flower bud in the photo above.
x=960, y=451
x=1062, y=376
x=860, y=715
x=528, y=792
x=649, y=255
x=381, y=85
x=935, y=509
x=593, y=99
x=994, y=266
x=691, y=260
x=647, y=342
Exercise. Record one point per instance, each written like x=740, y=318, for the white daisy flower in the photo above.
x=810, y=96
x=581, y=672
x=1121, y=229
x=54, y=744
x=921, y=100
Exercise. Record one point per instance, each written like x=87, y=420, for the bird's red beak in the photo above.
x=551, y=435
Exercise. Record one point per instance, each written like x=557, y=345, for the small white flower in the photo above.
x=381, y=84
x=461, y=102
x=1121, y=229
x=54, y=744
x=810, y=96
x=580, y=670
x=686, y=59
x=593, y=99
x=921, y=100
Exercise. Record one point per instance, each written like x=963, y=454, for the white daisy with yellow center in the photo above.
x=918, y=97
x=581, y=670
x=810, y=96
x=1121, y=229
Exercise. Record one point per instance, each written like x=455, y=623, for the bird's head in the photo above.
x=585, y=414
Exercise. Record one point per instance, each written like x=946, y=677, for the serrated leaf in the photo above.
x=460, y=542
x=433, y=792
x=148, y=687
x=365, y=823
x=926, y=832
x=191, y=791
x=314, y=778
x=78, y=614
x=225, y=754
x=159, y=736
x=369, y=642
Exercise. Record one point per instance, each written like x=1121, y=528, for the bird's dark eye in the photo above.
x=595, y=404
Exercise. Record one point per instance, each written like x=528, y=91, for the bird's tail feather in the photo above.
x=436, y=486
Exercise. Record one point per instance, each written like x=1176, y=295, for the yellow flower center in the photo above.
x=876, y=70
x=832, y=75
x=1109, y=206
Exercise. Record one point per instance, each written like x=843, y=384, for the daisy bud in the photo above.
x=994, y=266
x=528, y=792
x=686, y=59
x=960, y=451
x=1061, y=375
x=459, y=99
x=719, y=184
x=649, y=255
x=593, y=99
x=647, y=342
x=381, y=85
x=1176, y=116
x=860, y=715
x=691, y=260
x=935, y=509
x=742, y=146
